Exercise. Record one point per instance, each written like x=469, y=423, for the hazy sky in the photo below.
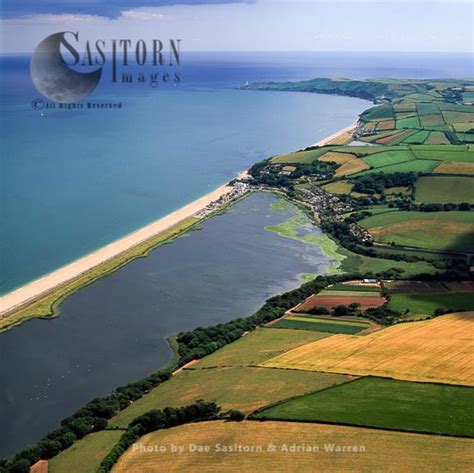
x=274, y=25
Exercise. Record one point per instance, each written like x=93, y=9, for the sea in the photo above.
x=75, y=180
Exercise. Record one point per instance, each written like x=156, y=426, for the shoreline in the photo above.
x=334, y=136
x=38, y=298
x=19, y=298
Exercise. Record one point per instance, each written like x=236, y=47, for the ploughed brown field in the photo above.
x=330, y=302
x=428, y=287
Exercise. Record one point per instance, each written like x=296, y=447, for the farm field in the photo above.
x=320, y=324
x=339, y=187
x=432, y=230
x=445, y=189
x=418, y=137
x=350, y=293
x=437, y=138
x=439, y=453
x=366, y=264
x=300, y=156
x=366, y=287
x=387, y=158
x=243, y=388
x=441, y=155
x=336, y=157
x=408, y=123
x=439, y=350
x=93, y=447
x=423, y=304
x=257, y=346
x=329, y=301
x=422, y=287
x=417, y=165
x=351, y=167
x=385, y=403
x=449, y=167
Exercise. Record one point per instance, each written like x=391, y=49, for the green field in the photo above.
x=437, y=137
x=432, y=230
x=422, y=165
x=355, y=263
x=349, y=293
x=408, y=123
x=465, y=156
x=445, y=189
x=86, y=454
x=242, y=388
x=351, y=287
x=418, y=137
x=301, y=156
x=320, y=325
x=387, y=158
x=427, y=108
x=258, y=346
x=426, y=304
x=385, y=403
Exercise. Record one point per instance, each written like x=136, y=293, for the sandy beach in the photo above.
x=34, y=289
x=31, y=291
x=328, y=139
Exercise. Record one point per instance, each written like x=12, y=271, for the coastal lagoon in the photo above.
x=114, y=331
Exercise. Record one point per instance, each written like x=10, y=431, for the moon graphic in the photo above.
x=52, y=76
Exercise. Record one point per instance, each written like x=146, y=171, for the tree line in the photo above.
x=154, y=420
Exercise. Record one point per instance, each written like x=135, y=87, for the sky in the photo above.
x=248, y=25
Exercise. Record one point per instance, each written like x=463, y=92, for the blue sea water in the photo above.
x=74, y=180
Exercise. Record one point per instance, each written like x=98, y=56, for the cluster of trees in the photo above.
x=377, y=183
x=316, y=168
x=90, y=418
x=382, y=315
x=408, y=204
x=264, y=173
x=158, y=419
x=464, y=206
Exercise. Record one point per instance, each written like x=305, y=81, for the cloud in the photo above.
x=48, y=19
x=145, y=15
x=97, y=8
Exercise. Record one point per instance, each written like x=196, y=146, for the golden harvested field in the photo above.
x=452, y=167
x=351, y=167
x=439, y=350
x=379, y=450
x=335, y=157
